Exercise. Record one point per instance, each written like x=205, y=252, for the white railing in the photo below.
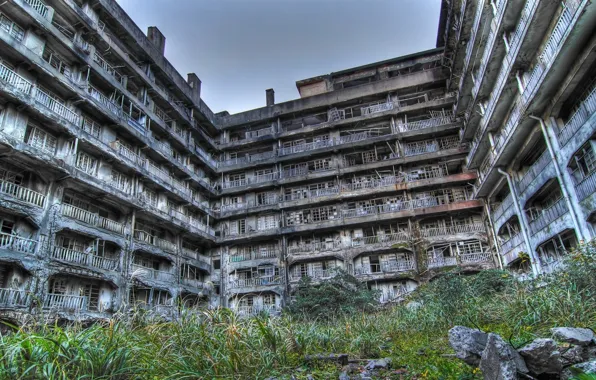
x=510, y=244
x=106, y=102
x=107, y=67
x=427, y=123
x=152, y=274
x=548, y=215
x=452, y=230
x=144, y=237
x=305, y=147
x=194, y=282
x=314, y=193
x=556, y=37
x=233, y=184
x=438, y=262
x=127, y=153
x=250, y=282
x=17, y=243
x=354, y=137
x=538, y=167
x=376, y=108
x=158, y=172
x=385, y=267
x=39, y=7
x=77, y=257
x=317, y=274
x=586, y=187
x=504, y=206
x=473, y=258
x=92, y=218
x=254, y=255
x=372, y=183
x=259, y=133
x=254, y=310
x=58, y=108
x=319, y=246
x=22, y=193
x=585, y=110
x=13, y=298
x=402, y=236
x=265, y=177
x=394, y=295
x=15, y=80
x=66, y=302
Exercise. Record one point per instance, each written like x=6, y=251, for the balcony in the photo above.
x=501, y=210
x=314, y=247
x=245, y=311
x=317, y=274
x=433, y=122
x=586, y=187
x=66, y=302
x=193, y=282
x=382, y=240
x=585, y=110
x=393, y=295
x=386, y=267
x=475, y=258
x=511, y=248
x=194, y=254
x=314, y=193
x=147, y=273
x=453, y=230
x=22, y=193
x=284, y=151
x=17, y=244
x=39, y=7
x=10, y=298
x=254, y=282
x=548, y=215
x=85, y=259
x=535, y=170
x=144, y=237
x=255, y=255
x=441, y=261
x=92, y=219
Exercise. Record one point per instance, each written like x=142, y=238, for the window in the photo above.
x=269, y=300
x=120, y=181
x=41, y=139
x=265, y=198
x=216, y=264
x=56, y=61
x=86, y=163
x=11, y=28
x=238, y=227
x=150, y=197
x=10, y=176
x=267, y=222
x=583, y=162
x=91, y=127
x=323, y=164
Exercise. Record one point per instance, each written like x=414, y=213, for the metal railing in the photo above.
x=538, y=167
x=504, y=206
x=127, y=153
x=452, y=230
x=194, y=282
x=259, y=133
x=255, y=255
x=58, y=108
x=17, y=243
x=438, y=262
x=385, y=267
x=144, y=237
x=254, y=310
x=510, y=244
x=107, y=67
x=39, y=6
x=473, y=258
x=22, y=193
x=395, y=207
x=585, y=110
x=314, y=193
x=256, y=281
x=187, y=252
x=106, y=102
x=13, y=298
x=402, y=236
x=82, y=258
x=152, y=274
x=318, y=246
x=92, y=218
x=586, y=187
x=548, y=215
x=372, y=183
x=354, y=137
x=9, y=76
x=66, y=302
x=305, y=147
x=376, y=108
x=427, y=123
x=317, y=274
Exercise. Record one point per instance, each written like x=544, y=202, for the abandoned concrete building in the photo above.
x=120, y=188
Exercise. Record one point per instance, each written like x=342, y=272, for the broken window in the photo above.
x=266, y=222
x=238, y=227
x=583, y=162
x=41, y=139
x=120, y=181
x=86, y=163
x=11, y=28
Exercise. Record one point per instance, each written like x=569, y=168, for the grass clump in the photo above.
x=219, y=345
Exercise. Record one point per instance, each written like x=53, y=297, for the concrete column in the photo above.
x=270, y=97
x=157, y=39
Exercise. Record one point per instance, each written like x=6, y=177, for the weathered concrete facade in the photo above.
x=119, y=187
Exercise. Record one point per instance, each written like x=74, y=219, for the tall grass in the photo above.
x=218, y=344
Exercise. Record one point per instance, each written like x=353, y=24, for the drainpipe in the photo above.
x=522, y=218
x=492, y=227
x=553, y=155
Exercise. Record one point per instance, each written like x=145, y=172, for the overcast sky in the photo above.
x=239, y=48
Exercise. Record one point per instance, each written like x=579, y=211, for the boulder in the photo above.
x=379, y=364
x=571, y=354
x=468, y=344
x=587, y=368
x=500, y=361
x=582, y=337
x=542, y=356
x=344, y=376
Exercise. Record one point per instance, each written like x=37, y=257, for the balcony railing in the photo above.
x=317, y=274
x=396, y=237
x=194, y=282
x=314, y=193
x=548, y=216
x=475, y=258
x=504, y=206
x=376, y=108
x=394, y=295
x=39, y=7
x=127, y=153
x=15, y=80
x=385, y=267
x=441, y=261
x=17, y=243
x=536, y=168
x=318, y=246
x=107, y=67
x=512, y=243
x=66, y=302
x=427, y=123
x=254, y=255
x=13, y=298
x=372, y=183
x=106, y=102
x=58, y=108
x=92, y=218
x=22, y=193
x=194, y=254
x=144, y=237
x=257, y=281
x=586, y=187
x=585, y=110
x=152, y=274
x=452, y=230
x=259, y=133
x=254, y=310
x=396, y=207
x=305, y=147
x=82, y=258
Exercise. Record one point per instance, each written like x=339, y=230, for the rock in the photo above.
x=500, y=361
x=583, y=337
x=309, y=377
x=379, y=364
x=542, y=356
x=579, y=369
x=468, y=344
x=344, y=376
x=571, y=354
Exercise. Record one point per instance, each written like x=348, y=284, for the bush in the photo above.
x=339, y=295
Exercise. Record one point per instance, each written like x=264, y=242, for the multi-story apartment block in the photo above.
x=120, y=189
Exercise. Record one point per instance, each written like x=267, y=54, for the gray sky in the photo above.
x=241, y=47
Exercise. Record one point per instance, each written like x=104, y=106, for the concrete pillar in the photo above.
x=195, y=83
x=270, y=97
x=157, y=39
